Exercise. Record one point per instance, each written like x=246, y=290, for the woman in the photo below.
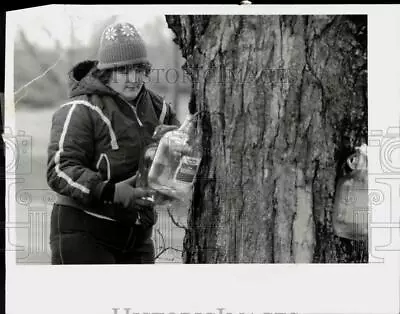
x=96, y=142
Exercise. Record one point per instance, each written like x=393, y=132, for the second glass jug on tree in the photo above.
x=351, y=207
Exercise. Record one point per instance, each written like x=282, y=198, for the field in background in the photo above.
x=33, y=198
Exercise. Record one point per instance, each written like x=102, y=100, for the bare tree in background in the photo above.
x=40, y=74
x=284, y=101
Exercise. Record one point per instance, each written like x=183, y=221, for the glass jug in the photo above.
x=176, y=162
x=350, y=212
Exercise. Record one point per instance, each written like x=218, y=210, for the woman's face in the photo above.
x=127, y=81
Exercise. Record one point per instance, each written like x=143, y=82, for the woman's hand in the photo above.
x=129, y=197
x=138, y=202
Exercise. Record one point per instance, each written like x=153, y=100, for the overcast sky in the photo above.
x=57, y=19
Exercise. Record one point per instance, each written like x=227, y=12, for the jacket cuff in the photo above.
x=107, y=195
x=104, y=192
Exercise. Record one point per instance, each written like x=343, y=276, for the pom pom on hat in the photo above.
x=121, y=45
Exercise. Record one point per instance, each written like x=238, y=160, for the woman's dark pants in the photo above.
x=80, y=238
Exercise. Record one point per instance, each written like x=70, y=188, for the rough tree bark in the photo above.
x=283, y=102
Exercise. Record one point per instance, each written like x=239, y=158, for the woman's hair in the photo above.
x=105, y=75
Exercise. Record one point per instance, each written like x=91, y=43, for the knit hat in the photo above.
x=120, y=45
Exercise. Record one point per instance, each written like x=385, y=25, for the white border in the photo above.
x=372, y=288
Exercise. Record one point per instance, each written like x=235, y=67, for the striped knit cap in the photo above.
x=121, y=45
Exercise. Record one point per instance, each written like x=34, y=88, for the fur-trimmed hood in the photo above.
x=81, y=80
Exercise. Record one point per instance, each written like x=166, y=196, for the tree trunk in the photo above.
x=283, y=101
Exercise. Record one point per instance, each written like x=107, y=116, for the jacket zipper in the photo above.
x=134, y=111
x=138, y=121
x=137, y=117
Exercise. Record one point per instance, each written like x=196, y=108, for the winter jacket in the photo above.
x=97, y=138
